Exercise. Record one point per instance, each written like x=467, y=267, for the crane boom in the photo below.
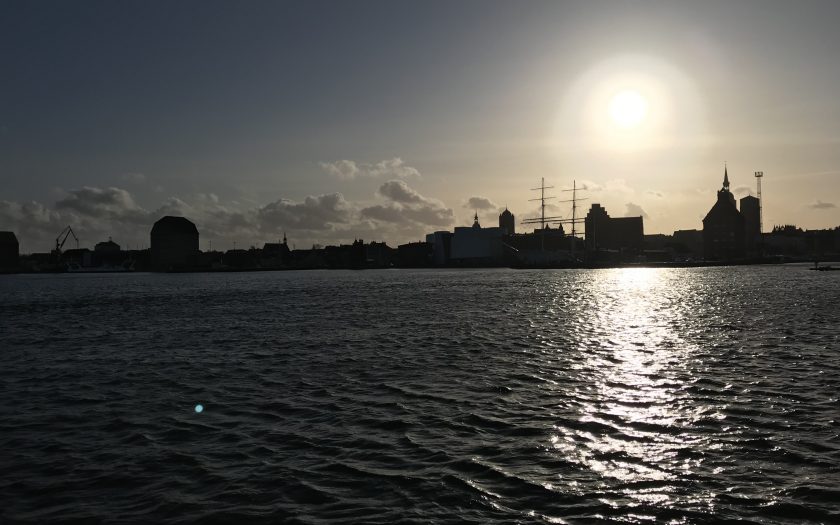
x=62, y=238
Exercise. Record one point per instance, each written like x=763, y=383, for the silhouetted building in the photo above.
x=724, y=227
x=107, y=254
x=346, y=255
x=313, y=258
x=378, y=255
x=658, y=241
x=752, y=233
x=9, y=250
x=240, y=258
x=415, y=254
x=689, y=243
x=786, y=240
x=276, y=254
x=507, y=222
x=544, y=247
x=613, y=233
x=822, y=244
x=441, y=242
x=174, y=244
x=77, y=258
x=108, y=246
x=477, y=245
x=548, y=239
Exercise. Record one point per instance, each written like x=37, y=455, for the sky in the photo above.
x=386, y=120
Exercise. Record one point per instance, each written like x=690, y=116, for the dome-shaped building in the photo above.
x=174, y=243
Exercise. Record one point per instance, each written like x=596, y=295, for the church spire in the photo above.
x=725, y=177
x=475, y=224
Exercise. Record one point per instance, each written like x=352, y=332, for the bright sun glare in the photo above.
x=628, y=109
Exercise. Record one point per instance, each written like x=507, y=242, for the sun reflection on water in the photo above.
x=632, y=414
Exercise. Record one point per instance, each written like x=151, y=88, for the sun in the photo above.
x=628, y=109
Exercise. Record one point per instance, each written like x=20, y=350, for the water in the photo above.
x=493, y=396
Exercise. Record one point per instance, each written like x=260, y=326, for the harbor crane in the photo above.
x=62, y=238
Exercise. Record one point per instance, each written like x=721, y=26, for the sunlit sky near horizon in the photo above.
x=386, y=120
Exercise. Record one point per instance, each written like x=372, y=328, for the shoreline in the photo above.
x=580, y=266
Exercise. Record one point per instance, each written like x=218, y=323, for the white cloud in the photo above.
x=742, y=190
x=314, y=213
x=634, y=210
x=588, y=185
x=399, y=191
x=350, y=169
x=408, y=207
x=480, y=203
x=100, y=203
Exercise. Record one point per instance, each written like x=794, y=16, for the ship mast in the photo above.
x=541, y=220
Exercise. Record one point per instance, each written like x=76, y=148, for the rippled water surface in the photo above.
x=493, y=396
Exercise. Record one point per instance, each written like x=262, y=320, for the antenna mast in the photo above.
x=758, y=177
x=574, y=215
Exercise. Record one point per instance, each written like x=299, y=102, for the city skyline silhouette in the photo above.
x=251, y=121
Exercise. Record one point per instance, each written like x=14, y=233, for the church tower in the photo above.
x=507, y=222
x=724, y=227
x=724, y=192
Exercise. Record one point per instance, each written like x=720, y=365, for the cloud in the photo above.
x=349, y=169
x=425, y=215
x=820, y=205
x=408, y=207
x=99, y=203
x=480, y=203
x=321, y=212
x=634, y=210
x=588, y=185
x=657, y=194
x=611, y=186
x=399, y=191
x=742, y=190
x=343, y=169
x=384, y=213
x=30, y=220
x=98, y=213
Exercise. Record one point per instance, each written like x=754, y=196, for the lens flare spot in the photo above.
x=199, y=409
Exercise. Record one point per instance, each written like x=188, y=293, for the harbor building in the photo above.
x=108, y=246
x=613, y=233
x=415, y=254
x=441, y=242
x=174, y=244
x=474, y=245
x=690, y=242
x=724, y=227
x=9, y=250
